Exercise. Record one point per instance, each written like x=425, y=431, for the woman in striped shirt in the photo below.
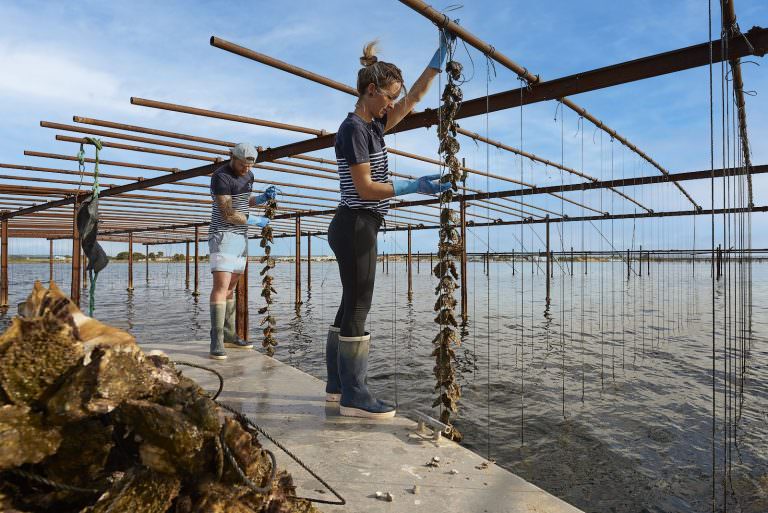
x=361, y=155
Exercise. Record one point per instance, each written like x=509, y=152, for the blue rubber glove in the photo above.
x=269, y=194
x=424, y=184
x=259, y=221
x=441, y=53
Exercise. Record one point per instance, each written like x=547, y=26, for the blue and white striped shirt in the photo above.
x=225, y=183
x=358, y=142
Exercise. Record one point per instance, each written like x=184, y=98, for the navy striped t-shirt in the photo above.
x=224, y=182
x=358, y=142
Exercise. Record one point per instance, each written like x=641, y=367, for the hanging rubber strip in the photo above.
x=88, y=224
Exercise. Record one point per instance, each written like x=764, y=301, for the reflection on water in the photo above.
x=603, y=397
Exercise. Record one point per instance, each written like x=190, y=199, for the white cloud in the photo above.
x=48, y=75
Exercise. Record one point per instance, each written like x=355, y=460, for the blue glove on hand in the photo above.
x=259, y=221
x=441, y=53
x=269, y=194
x=424, y=184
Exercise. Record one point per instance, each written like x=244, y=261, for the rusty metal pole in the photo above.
x=50, y=259
x=75, y=276
x=409, y=260
x=186, y=263
x=309, y=262
x=719, y=262
x=383, y=258
x=4, y=264
x=130, y=261
x=731, y=27
x=241, y=305
x=549, y=263
x=297, y=270
x=463, y=263
x=444, y=21
x=196, y=291
x=629, y=265
x=648, y=260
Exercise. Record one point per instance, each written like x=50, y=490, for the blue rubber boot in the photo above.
x=218, y=313
x=230, y=334
x=356, y=399
x=333, y=385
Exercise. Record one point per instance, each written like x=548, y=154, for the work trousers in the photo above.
x=352, y=237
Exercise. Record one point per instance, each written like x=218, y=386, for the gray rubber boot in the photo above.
x=218, y=313
x=356, y=399
x=333, y=385
x=230, y=334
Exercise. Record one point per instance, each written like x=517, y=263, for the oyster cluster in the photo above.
x=95, y=425
x=268, y=321
x=449, y=250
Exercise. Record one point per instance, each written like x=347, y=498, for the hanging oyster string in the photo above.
x=268, y=321
x=449, y=248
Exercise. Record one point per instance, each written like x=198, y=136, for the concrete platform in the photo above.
x=356, y=456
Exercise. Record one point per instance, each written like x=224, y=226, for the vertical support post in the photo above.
x=719, y=261
x=196, y=291
x=552, y=263
x=130, y=262
x=410, y=269
x=309, y=262
x=75, y=276
x=549, y=263
x=298, y=262
x=629, y=266
x=463, y=263
x=383, y=258
x=146, y=262
x=241, y=305
x=513, y=262
x=186, y=263
x=418, y=262
x=4, y=263
x=571, y=260
x=430, y=262
x=640, y=262
x=386, y=257
x=50, y=259
x=648, y=260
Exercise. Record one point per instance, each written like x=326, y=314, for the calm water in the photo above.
x=604, y=399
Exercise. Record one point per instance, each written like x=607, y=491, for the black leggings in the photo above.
x=352, y=237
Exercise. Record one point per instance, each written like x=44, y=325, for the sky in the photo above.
x=88, y=58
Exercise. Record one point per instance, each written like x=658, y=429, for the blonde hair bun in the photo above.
x=369, y=54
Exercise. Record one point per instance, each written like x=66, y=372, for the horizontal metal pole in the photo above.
x=220, y=115
x=609, y=76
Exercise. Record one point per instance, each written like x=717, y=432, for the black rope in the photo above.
x=247, y=422
x=214, y=371
x=232, y=461
x=53, y=484
x=241, y=417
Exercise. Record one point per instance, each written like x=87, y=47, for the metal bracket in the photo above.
x=438, y=428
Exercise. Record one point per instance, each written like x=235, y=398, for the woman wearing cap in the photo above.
x=365, y=186
x=231, y=186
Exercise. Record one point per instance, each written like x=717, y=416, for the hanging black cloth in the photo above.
x=88, y=227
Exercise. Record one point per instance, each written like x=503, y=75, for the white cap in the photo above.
x=245, y=151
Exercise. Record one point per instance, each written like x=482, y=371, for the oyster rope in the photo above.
x=449, y=248
x=268, y=322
